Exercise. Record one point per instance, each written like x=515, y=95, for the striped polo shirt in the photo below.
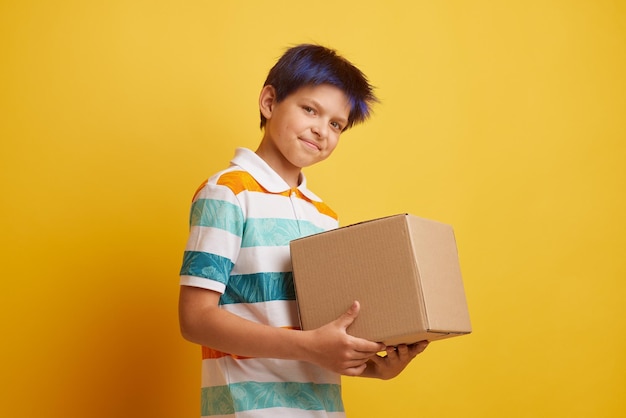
x=241, y=222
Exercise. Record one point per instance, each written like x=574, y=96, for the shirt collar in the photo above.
x=265, y=175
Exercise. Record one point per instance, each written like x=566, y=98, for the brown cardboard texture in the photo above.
x=404, y=271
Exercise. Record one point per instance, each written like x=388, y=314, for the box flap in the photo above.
x=440, y=274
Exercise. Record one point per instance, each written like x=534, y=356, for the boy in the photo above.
x=236, y=296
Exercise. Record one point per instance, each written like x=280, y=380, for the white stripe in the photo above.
x=214, y=191
x=318, y=219
x=263, y=205
x=203, y=283
x=288, y=413
x=264, y=370
x=263, y=259
x=213, y=240
x=281, y=413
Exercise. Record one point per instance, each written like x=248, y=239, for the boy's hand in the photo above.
x=334, y=349
x=394, y=362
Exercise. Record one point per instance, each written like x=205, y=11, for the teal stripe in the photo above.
x=262, y=232
x=217, y=214
x=206, y=265
x=247, y=396
x=216, y=400
x=259, y=287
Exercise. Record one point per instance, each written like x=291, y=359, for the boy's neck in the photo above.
x=288, y=172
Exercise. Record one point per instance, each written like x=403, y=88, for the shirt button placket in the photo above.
x=294, y=206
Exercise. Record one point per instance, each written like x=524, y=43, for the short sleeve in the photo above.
x=216, y=225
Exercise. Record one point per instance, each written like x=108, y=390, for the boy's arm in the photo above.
x=203, y=322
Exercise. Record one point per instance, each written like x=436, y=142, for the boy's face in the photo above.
x=304, y=128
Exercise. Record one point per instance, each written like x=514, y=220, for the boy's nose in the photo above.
x=320, y=129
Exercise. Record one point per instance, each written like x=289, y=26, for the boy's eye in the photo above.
x=336, y=125
x=308, y=109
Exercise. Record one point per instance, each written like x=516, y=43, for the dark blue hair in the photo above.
x=312, y=65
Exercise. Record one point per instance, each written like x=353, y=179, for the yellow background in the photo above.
x=504, y=119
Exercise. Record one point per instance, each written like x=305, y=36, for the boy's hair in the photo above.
x=312, y=65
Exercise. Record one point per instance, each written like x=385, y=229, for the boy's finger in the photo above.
x=369, y=348
x=347, y=318
x=417, y=348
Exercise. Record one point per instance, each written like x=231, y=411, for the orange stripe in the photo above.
x=209, y=353
x=238, y=181
x=320, y=206
x=198, y=189
x=325, y=209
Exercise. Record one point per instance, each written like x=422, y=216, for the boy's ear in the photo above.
x=267, y=100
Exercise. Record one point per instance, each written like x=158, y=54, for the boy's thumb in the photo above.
x=347, y=318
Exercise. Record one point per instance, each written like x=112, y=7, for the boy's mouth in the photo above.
x=311, y=144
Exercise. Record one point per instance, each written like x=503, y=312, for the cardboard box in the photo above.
x=404, y=271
